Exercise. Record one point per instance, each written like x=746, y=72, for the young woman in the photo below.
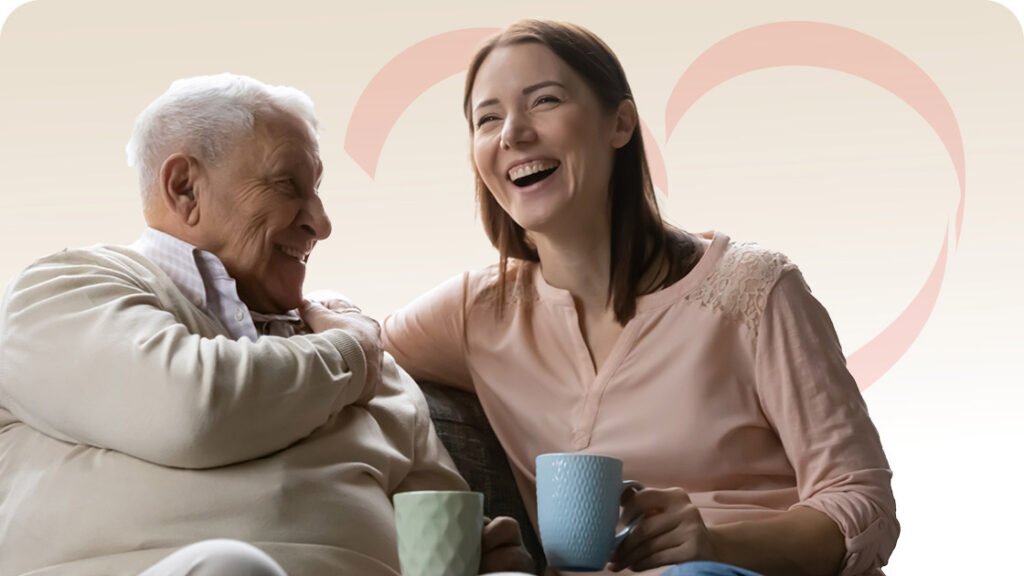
x=704, y=364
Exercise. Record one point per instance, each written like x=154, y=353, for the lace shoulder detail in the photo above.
x=484, y=286
x=739, y=287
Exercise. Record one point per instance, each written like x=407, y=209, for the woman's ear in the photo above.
x=626, y=120
x=178, y=190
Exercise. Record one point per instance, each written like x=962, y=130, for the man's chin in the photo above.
x=277, y=303
x=286, y=295
x=286, y=305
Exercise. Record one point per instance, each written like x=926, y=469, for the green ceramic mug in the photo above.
x=439, y=532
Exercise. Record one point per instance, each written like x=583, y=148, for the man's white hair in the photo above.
x=203, y=116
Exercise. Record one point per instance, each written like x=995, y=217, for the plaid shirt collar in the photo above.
x=200, y=275
x=179, y=260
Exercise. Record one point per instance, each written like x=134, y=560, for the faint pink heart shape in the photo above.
x=417, y=69
x=414, y=71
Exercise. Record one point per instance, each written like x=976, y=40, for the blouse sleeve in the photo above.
x=428, y=337
x=814, y=404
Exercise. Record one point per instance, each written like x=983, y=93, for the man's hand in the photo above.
x=502, y=548
x=336, y=312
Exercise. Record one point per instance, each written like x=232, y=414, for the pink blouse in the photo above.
x=729, y=383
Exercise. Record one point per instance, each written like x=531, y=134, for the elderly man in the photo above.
x=163, y=407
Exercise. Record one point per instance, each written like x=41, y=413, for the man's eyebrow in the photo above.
x=527, y=90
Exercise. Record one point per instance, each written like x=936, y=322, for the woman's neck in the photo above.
x=579, y=262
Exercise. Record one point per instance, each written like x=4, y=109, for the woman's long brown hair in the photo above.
x=640, y=239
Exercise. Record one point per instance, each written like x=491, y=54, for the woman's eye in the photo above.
x=485, y=119
x=546, y=99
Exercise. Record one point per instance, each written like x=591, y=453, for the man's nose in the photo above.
x=314, y=220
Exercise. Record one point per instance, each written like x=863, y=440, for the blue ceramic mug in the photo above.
x=578, y=508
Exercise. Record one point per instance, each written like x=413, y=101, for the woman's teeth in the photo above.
x=526, y=174
x=524, y=170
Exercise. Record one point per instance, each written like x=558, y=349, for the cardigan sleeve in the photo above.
x=90, y=354
x=431, y=465
x=814, y=404
x=428, y=337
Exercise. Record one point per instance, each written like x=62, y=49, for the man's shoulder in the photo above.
x=99, y=261
x=113, y=256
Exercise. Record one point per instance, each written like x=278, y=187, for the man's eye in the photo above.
x=288, y=185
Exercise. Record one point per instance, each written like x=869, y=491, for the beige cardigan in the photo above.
x=130, y=426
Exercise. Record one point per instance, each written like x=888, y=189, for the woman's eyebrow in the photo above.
x=539, y=85
x=527, y=90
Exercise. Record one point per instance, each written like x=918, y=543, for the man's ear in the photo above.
x=626, y=120
x=178, y=189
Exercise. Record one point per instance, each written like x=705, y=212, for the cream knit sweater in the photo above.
x=131, y=426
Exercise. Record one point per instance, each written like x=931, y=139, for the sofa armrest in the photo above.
x=464, y=430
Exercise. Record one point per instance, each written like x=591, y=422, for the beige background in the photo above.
x=838, y=173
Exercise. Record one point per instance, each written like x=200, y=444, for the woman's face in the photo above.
x=542, y=143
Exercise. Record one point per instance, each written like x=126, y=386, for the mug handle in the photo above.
x=633, y=523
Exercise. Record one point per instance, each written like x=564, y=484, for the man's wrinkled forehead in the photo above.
x=288, y=141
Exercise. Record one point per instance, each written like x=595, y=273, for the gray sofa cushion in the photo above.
x=463, y=428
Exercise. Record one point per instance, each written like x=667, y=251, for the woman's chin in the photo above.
x=536, y=218
x=541, y=222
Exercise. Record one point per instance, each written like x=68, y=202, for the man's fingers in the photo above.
x=327, y=296
x=341, y=306
x=311, y=311
x=321, y=316
x=499, y=532
x=502, y=547
x=506, y=559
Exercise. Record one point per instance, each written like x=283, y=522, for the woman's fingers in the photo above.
x=668, y=537
x=670, y=533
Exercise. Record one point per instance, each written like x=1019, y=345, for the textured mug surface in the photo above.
x=578, y=508
x=439, y=532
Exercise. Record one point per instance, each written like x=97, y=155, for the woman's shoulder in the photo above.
x=488, y=287
x=740, y=281
x=750, y=262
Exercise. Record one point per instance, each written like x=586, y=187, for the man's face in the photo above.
x=261, y=213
